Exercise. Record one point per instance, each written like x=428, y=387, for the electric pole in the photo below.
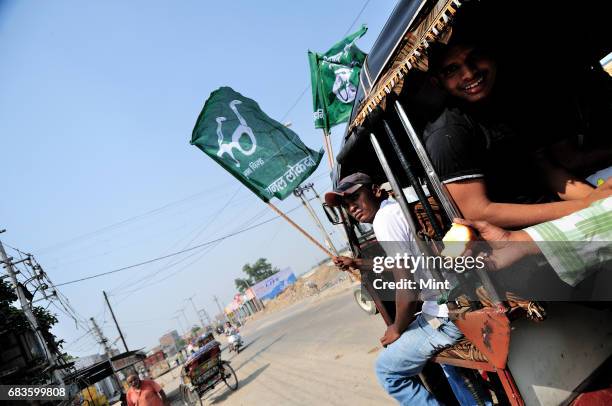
x=101, y=339
x=299, y=193
x=109, y=354
x=115, y=320
x=216, y=299
x=196, y=311
x=27, y=310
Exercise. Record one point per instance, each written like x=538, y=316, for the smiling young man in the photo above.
x=479, y=152
x=412, y=339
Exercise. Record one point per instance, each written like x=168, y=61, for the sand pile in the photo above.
x=322, y=276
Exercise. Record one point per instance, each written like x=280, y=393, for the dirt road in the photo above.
x=319, y=351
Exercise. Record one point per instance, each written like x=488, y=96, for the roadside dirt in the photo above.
x=313, y=283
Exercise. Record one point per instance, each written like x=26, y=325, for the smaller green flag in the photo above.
x=334, y=78
x=267, y=157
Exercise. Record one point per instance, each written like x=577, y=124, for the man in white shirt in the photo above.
x=412, y=339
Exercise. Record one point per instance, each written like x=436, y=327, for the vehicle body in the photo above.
x=204, y=369
x=552, y=362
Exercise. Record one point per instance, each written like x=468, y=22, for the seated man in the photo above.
x=478, y=153
x=411, y=340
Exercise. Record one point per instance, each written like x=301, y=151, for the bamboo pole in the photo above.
x=300, y=229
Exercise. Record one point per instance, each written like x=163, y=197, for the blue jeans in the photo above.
x=399, y=364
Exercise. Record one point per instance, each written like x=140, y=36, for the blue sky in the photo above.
x=98, y=103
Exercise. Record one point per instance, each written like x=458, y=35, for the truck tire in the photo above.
x=364, y=301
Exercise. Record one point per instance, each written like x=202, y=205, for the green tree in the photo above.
x=256, y=272
x=13, y=320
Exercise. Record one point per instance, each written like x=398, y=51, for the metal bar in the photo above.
x=413, y=181
x=444, y=196
x=442, y=192
x=401, y=199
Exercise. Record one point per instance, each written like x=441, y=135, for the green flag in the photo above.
x=334, y=78
x=263, y=154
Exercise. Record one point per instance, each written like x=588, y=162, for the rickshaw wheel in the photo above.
x=190, y=397
x=229, y=375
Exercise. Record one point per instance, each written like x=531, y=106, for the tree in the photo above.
x=13, y=320
x=256, y=272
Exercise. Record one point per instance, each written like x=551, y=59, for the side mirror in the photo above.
x=332, y=214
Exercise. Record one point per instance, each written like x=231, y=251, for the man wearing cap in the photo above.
x=411, y=340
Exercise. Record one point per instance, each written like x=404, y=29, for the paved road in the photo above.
x=320, y=351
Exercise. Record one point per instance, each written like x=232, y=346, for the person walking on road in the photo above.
x=145, y=392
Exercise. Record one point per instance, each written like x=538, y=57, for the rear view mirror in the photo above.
x=332, y=214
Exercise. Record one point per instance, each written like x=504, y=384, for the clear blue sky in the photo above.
x=97, y=106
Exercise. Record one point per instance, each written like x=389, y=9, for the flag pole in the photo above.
x=300, y=229
x=328, y=148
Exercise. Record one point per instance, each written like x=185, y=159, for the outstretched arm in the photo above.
x=471, y=197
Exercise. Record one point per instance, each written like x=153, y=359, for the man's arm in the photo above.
x=405, y=307
x=470, y=196
x=562, y=182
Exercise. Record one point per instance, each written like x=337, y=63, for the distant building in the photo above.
x=169, y=343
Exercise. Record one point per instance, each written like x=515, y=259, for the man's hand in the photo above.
x=507, y=247
x=391, y=334
x=604, y=190
x=344, y=263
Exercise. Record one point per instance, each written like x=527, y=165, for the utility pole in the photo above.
x=178, y=319
x=115, y=320
x=299, y=193
x=182, y=311
x=206, y=316
x=216, y=299
x=101, y=339
x=27, y=310
x=196, y=310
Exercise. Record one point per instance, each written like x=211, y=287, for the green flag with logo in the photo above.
x=263, y=154
x=334, y=78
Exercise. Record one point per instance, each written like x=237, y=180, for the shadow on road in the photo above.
x=259, y=352
x=223, y=392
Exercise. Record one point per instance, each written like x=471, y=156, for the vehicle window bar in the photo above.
x=414, y=181
x=451, y=210
x=442, y=192
x=403, y=202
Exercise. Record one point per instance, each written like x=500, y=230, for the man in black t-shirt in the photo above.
x=485, y=164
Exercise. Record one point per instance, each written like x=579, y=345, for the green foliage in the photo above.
x=256, y=272
x=13, y=320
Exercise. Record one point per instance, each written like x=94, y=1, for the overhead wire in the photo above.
x=171, y=254
x=214, y=217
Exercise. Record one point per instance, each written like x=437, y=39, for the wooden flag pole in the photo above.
x=328, y=148
x=300, y=229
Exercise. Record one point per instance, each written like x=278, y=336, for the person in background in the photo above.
x=145, y=392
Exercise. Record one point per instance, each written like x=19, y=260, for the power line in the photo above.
x=204, y=228
x=130, y=219
x=174, y=253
